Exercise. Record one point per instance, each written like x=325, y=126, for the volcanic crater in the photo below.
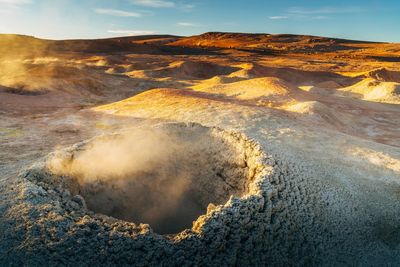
x=165, y=176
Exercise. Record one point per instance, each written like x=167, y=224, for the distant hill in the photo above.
x=21, y=45
x=275, y=42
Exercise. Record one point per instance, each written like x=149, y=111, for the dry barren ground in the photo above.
x=218, y=149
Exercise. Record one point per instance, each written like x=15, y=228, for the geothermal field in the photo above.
x=221, y=149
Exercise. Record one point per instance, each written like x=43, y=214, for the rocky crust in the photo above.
x=58, y=224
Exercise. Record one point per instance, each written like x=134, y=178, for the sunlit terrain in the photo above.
x=216, y=149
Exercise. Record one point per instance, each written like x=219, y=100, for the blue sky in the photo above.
x=66, y=19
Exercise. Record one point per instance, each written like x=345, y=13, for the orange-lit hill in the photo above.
x=284, y=42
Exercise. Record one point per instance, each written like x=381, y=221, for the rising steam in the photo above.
x=163, y=178
x=142, y=168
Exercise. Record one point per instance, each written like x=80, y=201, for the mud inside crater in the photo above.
x=164, y=176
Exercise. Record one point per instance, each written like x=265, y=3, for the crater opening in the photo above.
x=165, y=176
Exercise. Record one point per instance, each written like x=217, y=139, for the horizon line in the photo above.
x=186, y=36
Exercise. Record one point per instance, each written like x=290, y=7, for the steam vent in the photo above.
x=166, y=176
x=174, y=189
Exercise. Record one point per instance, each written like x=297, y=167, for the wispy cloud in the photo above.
x=299, y=17
x=164, y=4
x=320, y=17
x=154, y=3
x=325, y=10
x=186, y=7
x=16, y=2
x=301, y=13
x=8, y=7
x=131, y=32
x=278, y=17
x=187, y=24
x=116, y=12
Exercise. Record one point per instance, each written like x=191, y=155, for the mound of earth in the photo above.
x=187, y=70
x=248, y=89
x=328, y=85
x=375, y=90
x=217, y=80
x=290, y=75
x=316, y=111
x=384, y=75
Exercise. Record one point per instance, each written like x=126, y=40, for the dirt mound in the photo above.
x=249, y=89
x=187, y=70
x=152, y=101
x=219, y=79
x=384, y=75
x=328, y=85
x=294, y=76
x=374, y=90
x=316, y=111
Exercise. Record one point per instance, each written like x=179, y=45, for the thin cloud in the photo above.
x=164, y=4
x=9, y=7
x=320, y=17
x=186, y=7
x=278, y=17
x=131, y=32
x=301, y=13
x=187, y=24
x=154, y=3
x=324, y=10
x=116, y=12
x=15, y=2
